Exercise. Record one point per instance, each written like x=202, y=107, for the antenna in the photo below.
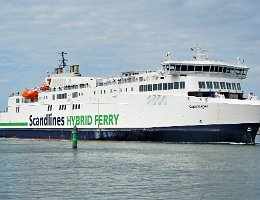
x=201, y=54
x=168, y=56
x=63, y=61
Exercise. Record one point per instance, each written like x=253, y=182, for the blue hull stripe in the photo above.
x=203, y=133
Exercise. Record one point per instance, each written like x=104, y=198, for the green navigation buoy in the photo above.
x=74, y=137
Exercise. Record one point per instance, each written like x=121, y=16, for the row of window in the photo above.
x=206, y=68
x=64, y=95
x=162, y=86
x=219, y=85
x=75, y=106
x=64, y=107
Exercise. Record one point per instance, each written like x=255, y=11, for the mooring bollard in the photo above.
x=74, y=137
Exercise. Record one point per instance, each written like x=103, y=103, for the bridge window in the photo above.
x=205, y=68
x=190, y=68
x=198, y=68
x=178, y=68
x=224, y=70
x=184, y=68
x=220, y=69
x=216, y=69
x=212, y=68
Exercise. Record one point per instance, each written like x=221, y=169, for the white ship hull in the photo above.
x=141, y=117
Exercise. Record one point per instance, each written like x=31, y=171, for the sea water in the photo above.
x=48, y=169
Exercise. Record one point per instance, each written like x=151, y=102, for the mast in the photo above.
x=63, y=63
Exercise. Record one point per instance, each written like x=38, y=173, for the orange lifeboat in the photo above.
x=44, y=87
x=30, y=94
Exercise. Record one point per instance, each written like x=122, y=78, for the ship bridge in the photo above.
x=205, y=67
x=202, y=65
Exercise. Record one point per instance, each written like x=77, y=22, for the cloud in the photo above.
x=113, y=36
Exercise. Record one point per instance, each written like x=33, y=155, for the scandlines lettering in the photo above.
x=48, y=120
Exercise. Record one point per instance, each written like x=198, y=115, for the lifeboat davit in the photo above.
x=30, y=94
x=44, y=87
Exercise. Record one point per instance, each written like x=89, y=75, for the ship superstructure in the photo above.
x=185, y=101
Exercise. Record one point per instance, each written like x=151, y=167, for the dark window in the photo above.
x=170, y=86
x=62, y=96
x=220, y=69
x=184, y=68
x=238, y=86
x=198, y=68
x=222, y=85
x=228, y=70
x=164, y=86
x=212, y=68
x=228, y=86
x=159, y=86
x=190, y=68
x=150, y=87
x=216, y=68
x=234, y=86
x=216, y=85
x=224, y=69
x=145, y=88
x=154, y=87
x=176, y=85
x=182, y=85
x=178, y=68
x=74, y=94
x=141, y=88
x=202, y=85
x=209, y=85
x=205, y=68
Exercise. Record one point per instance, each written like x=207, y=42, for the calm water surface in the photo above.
x=32, y=169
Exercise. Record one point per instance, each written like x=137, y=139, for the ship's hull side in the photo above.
x=238, y=133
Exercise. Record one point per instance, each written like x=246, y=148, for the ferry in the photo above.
x=198, y=101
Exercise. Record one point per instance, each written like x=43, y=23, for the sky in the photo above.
x=106, y=37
